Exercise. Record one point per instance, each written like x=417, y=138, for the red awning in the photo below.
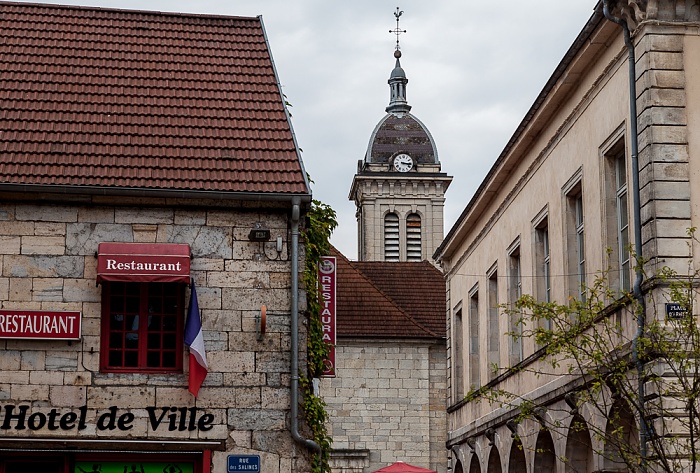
x=401, y=467
x=143, y=262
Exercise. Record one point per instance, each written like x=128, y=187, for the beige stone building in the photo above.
x=133, y=163
x=556, y=200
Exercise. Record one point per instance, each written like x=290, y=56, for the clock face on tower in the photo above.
x=403, y=162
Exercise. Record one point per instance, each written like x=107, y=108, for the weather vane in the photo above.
x=397, y=31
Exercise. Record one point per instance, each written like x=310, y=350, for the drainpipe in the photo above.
x=296, y=203
x=637, y=288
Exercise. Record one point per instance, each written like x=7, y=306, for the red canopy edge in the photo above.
x=401, y=467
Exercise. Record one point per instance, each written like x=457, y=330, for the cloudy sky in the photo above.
x=474, y=68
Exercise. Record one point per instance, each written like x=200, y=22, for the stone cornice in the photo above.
x=635, y=12
x=440, y=181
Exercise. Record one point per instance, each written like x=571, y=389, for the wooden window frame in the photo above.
x=136, y=341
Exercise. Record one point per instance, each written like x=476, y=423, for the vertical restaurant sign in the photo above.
x=326, y=294
x=40, y=324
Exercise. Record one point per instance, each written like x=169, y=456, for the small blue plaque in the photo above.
x=243, y=463
x=676, y=311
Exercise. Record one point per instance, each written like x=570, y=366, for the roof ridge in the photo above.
x=424, y=262
x=384, y=294
x=128, y=10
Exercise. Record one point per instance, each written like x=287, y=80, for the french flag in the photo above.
x=194, y=339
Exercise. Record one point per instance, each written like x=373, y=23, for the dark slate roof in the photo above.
x=389, y=300
x=401, y=134
x=100, y=98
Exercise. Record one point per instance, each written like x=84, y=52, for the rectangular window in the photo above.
x=142, y=327
x=542, y=264
x=580, y=247
x=474, y=375
x=494, y=332
x=622, y=222
x=616, y=217
x=544, y=287
x=458, y=355
x=515, y=290
x=575, y=242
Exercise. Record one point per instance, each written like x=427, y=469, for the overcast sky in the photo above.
x=474, y=68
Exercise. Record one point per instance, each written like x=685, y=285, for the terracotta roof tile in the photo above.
x=418, y=288
x=117, y=98
x=389, y=300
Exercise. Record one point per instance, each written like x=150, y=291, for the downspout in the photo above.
x=296, y=204
x=637, y=288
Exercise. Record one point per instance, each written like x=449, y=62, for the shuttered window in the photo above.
x=391, y=237
x=413, y=238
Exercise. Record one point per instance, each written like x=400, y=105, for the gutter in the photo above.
x=154, y=193
x=637, y=289
x=310, y=444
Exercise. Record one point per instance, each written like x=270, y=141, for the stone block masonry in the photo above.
x=47, y=262
x=389, y=400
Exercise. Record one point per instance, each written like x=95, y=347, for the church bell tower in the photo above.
x=399, y=189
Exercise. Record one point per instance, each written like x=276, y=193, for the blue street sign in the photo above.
x=676, y=311
x=243, y=463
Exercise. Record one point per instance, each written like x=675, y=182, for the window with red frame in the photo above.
x=142, y=327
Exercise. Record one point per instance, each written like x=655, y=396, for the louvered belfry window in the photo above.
x=413, y=238
x=391, y=237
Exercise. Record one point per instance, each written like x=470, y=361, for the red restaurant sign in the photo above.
x=40, y=324
x=326, y=281
x=143, y=262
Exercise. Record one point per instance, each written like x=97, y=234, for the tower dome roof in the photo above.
x=399, y=131
x=402, y=133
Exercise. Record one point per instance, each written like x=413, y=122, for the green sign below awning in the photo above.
x=133, y=467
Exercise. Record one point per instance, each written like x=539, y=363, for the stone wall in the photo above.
x=48, y=262
x=663, y=151
x=425, y=197
x=389, y=401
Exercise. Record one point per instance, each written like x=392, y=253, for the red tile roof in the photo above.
x=104, y=98
x=389, y=300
